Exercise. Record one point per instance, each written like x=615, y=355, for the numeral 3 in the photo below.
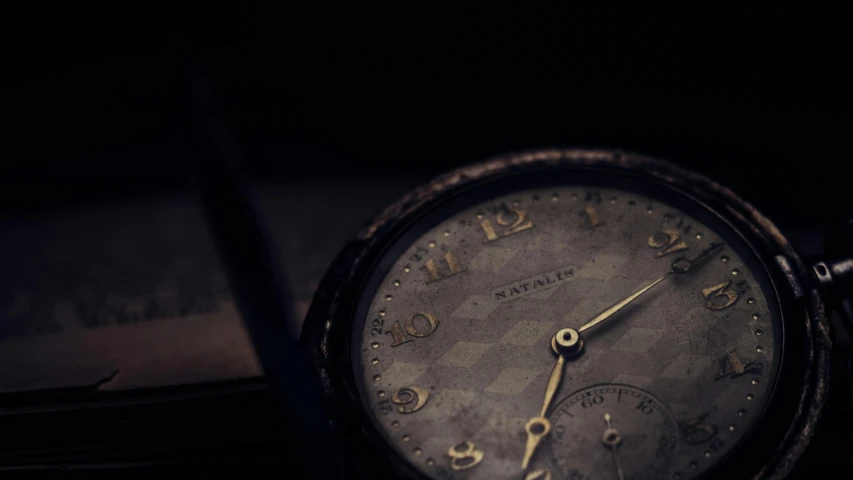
x=711, y=294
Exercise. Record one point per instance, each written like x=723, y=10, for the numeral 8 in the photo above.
x=464, y=456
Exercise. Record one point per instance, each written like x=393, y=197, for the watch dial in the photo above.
x=455, y=353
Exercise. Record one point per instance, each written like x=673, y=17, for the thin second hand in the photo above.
x=613, y=445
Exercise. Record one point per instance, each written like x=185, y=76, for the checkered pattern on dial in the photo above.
x=486, y=365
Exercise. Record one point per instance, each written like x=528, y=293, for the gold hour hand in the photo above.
x=567, y=343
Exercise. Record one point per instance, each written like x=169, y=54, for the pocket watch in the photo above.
x=571, y=314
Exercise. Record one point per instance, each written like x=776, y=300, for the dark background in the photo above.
x=757, y=96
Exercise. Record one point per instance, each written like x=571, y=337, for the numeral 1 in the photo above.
x=592, y=216
x=432, y=269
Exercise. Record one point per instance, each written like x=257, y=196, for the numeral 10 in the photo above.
x=398, y=334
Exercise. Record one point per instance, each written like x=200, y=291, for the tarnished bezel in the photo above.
x=328, y=323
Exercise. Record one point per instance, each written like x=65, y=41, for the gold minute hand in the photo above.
x=609, y=311
x=680, y=265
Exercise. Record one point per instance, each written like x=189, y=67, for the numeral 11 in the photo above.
x=452, y=265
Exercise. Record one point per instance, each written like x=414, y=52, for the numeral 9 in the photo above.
x=415, y=397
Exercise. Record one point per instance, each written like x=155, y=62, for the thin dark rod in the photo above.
x=253, y=269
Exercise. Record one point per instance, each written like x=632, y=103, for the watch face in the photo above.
x=566, y=326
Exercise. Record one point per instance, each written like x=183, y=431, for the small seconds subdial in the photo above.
x=613, y=431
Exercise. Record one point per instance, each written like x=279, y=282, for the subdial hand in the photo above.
x=612, y=439
x=567, y=343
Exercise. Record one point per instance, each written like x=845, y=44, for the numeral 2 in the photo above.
x=592, y=216
x=667, y=242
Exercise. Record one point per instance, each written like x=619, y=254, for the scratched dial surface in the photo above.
x=452, y=353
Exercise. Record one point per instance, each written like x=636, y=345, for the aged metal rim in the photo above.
x=815, y=380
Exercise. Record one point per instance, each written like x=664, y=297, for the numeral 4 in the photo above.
x=732, y=366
